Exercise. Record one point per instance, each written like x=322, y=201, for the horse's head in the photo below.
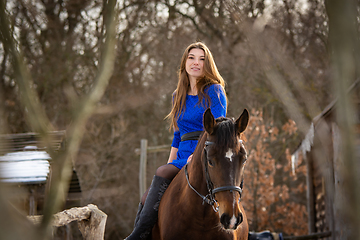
x=224, y=158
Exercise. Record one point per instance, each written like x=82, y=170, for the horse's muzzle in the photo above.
x=231, y=222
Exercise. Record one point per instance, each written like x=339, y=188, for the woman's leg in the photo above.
x=167, y=171
x=147, y=215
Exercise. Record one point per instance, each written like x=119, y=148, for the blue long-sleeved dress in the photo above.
x=191, y=120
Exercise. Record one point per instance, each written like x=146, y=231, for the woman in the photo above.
x=200, y=86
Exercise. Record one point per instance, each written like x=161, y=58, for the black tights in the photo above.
x=167, y=171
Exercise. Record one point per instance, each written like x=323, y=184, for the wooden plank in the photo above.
x=160, y=148
x=310, y=194
x=142, y=170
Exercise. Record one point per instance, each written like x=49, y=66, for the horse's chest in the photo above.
x=195, y=234
x=188, y=225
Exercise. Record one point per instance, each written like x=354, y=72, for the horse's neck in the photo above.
x=197, y=176
x=200, y=210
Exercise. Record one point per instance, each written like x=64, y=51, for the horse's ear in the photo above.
x=242, y=122
x=209, y=121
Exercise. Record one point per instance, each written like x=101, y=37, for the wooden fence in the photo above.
x=143, y=151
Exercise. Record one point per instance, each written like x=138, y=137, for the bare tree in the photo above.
x=39, y=122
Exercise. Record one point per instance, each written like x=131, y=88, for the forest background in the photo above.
x=272, y=54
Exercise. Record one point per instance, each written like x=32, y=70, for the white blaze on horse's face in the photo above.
x=229, y=154
x=233, y=221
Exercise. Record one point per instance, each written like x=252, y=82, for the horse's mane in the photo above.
x=225, y=136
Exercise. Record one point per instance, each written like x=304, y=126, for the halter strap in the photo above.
x=210, y=198
x=204, y=198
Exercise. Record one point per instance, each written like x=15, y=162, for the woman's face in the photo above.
x=194, y=65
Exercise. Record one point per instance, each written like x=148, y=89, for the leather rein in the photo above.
x=210, y=197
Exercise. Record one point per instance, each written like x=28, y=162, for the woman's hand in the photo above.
x=190, y=158
x=172, y=155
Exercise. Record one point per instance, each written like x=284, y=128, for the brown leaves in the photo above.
x=270, y=190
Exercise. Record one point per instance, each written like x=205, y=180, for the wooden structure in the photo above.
x=91, y=221
x=143, y=151
x=25, y=165
x=321, y=150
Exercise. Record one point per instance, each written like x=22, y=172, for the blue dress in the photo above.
x=191, y=120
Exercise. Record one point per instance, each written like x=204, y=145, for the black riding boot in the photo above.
x=149, y=213
x=138, y=214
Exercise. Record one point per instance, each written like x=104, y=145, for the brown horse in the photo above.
x=203, y=200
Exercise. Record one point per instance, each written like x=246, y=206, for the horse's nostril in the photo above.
x=231, y=222
x=225, y=220
x=239, y=219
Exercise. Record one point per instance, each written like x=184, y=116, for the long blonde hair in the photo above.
x=211, y=76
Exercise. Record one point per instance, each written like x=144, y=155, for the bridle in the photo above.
x=210, y=197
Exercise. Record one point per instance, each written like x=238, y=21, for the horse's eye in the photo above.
x=211, y=162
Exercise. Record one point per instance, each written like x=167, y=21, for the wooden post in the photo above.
x=32, y=201
x=143, y=151
x=310, y=192
x=142, y=171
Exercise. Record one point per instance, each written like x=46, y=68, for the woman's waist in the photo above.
x=193, y=135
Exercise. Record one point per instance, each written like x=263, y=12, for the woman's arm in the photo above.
x=172, y=155
x=218, y=100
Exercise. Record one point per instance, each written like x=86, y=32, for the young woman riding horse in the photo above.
x=203, y=200
x=200, y=86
